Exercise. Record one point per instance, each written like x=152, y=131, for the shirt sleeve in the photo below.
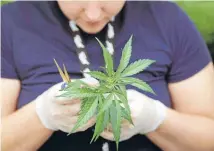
x=189, y=51
x=8, y=68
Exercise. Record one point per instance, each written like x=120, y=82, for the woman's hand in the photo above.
x=147, y=115
x=60, y=113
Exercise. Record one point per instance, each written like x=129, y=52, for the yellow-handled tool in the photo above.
x=64, y=75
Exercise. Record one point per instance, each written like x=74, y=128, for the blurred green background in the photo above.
x=201, y=13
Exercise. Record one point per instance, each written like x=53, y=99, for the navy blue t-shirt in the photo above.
x=33, y=33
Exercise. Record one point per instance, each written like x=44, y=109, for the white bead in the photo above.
x=113, y=19
x=105, y=147
x=73, y=26
x=110, y=31
x=86, y=70
x=110, y=47
x=85, y=74
x=83, y=58
x=78, y=42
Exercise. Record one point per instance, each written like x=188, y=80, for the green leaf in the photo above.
x=99, y=120
x=126, y=115
x=88, y=110
x=107, y=103
x=137, y=83
x=83, y=103
x=103, y=88
x=122, y=88
x=76, y=84
x=115, y=118
x=126, y=54
x=123, y=99
x=136, y=67
x=98, y=75
x=79, y=93
x=124, y=102
x=102, y=121
x=108, y=59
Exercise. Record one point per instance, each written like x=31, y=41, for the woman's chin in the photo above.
x=92, y=28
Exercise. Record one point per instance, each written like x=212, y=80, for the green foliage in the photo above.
x=108, y=59
x=136, y=67
x=102, y=121
x=126, y=55
x=6, y=2
x=201, y=13
x=88, y=109
x=108, y=101
x=137, y=83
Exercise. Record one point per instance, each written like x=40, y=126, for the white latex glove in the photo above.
x=147, y=115
x=60, y=113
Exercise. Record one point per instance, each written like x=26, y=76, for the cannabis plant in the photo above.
x=108, y=100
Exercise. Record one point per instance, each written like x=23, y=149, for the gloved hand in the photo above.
x=60, y=113
x=147, y=115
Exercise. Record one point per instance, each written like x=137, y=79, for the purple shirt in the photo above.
x=33, y=33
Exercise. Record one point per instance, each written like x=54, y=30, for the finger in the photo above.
x=57, y=95
x=89, y=124
x=66, y=129
x=71, y=109
x=124, y=135
x=67, y=101
x=126, y=124
x=68, y=125
x=65, y=110
x=67, y=120
x=107, y=135
x=109, y=128
x=57, y=98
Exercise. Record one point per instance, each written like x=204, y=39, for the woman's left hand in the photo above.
x=147, y=115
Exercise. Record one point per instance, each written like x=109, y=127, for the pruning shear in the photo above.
x=64, y=75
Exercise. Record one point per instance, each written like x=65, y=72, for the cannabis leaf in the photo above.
x=124, y=101
x=115, y=118
x=137, y=83
x=126, y=115
x=87, y=111
x=126, y=55
x=102, y=121
x=98, y=75
x=136, y=67
x=79, y=93
x=107, y=101
x=108, y=59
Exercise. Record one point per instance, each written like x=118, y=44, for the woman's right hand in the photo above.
x=61, y=113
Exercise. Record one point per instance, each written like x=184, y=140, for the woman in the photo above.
x=180, y=117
